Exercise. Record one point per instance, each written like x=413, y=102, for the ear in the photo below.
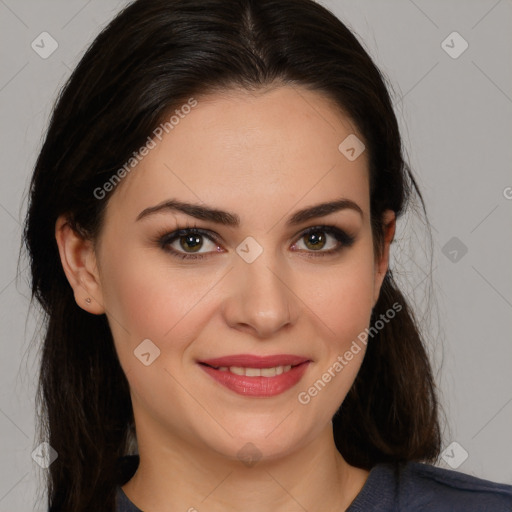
x=79, y=264
x=382, y=263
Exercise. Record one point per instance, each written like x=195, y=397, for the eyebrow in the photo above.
x=233, y=220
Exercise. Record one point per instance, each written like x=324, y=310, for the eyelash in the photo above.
x=345, y=240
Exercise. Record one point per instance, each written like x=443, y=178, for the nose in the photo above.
x=260, y=300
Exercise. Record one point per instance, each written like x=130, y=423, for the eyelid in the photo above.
x=328, y=228
x=165, y=239
x=168, y=237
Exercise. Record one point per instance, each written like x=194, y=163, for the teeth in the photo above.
x=256, y=372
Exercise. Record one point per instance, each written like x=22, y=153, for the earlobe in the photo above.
x=78, y=261
x=382, y=265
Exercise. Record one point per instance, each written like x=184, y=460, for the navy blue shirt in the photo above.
x=415, y=487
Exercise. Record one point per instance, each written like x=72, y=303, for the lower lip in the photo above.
x=258, y=386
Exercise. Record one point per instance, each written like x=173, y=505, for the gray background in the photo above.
x=456, y=120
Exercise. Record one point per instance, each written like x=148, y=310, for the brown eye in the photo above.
x=191, y=241
x=315, y=240
x=323, y=241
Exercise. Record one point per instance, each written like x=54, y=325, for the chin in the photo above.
x=269, y=442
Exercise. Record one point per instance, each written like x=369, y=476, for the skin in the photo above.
x=262, y=155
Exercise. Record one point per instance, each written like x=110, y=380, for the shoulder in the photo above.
x=126, y=467
x=418, y=487
x=123, y=503
x=425, y=485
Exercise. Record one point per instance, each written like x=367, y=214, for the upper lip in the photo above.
x=252, y=361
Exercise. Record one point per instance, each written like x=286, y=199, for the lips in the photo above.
x=252, y=361
x=234, y=372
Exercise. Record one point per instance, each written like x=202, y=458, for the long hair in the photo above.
x=149, y=60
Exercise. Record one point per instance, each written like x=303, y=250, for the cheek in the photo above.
x=343, y=304
x=344, y=298
x=140, y=302
x=147, y=299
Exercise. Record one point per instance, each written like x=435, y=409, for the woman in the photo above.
x=209, y=229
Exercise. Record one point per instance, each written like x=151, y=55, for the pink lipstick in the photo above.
x=257, y=376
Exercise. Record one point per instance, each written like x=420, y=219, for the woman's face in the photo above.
x=249, y=282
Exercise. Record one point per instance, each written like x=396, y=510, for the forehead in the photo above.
x=269, y=148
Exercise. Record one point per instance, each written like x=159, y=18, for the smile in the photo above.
x=256, y=372
x=257, y=376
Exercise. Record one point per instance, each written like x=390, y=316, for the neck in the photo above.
x=183, y=477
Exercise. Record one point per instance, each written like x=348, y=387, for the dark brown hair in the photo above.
x=151, y=58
